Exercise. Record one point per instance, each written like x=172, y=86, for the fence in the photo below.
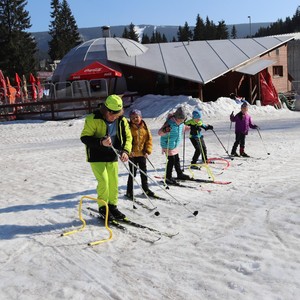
x=61, y=100
x=60, y=90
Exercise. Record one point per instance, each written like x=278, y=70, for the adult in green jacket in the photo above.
x=104, y=128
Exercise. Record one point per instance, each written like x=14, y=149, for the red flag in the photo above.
x=3, y=88
x=33, y=87
x=18, y=85
x=11, y=92
x=39, y=88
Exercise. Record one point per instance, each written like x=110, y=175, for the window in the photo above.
x=277, y=71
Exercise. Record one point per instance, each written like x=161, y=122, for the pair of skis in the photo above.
x=122, y=225
x=178, y=182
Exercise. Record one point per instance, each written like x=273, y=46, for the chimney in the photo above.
x=105, y=31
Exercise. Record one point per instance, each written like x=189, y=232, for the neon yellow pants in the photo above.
x=106, y=174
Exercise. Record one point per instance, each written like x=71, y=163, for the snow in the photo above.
x=243, y=244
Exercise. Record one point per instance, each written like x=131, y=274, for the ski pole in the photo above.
x=229, y=134
x=167, y=160
x=195, y=213
x=157, y=213
x=165, y=184
x=222, y=144
x=262, y=141
x=183, y=150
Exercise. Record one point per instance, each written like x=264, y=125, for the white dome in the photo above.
x=101, y=49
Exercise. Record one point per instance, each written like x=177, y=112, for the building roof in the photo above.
x=197, y=61
x=202, y=61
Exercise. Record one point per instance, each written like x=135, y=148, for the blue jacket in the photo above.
x=173, y=138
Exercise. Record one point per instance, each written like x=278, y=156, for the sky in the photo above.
x=244, y=244
x=93, y=13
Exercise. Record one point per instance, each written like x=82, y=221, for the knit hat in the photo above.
x=114, y=103
x=196, y=114
x=135, y=112
x=180, y=113
x=244, y=104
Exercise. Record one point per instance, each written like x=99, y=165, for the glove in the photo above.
x=231, y=115
x=209, y=127
x=166, y=129
x=255, y=127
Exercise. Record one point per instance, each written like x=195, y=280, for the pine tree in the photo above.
x=132, y=35
x=63, y=30
x=233, y=33
x=145, y=39
x=164, y=39
x=280, y=27
x=199, y=29
x=222, y=31
x=210, y=30
x=184, y=33
x=125, y=33
x=17, y=47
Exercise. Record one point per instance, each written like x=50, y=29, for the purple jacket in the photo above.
x=242, y=123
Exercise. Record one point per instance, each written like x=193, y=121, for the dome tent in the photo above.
x=99, y=49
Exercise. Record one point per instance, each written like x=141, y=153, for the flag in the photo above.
x=33, y=87
x=11, y=92
x=25, y=91
x=18, y=86
x=3, y=87
x=39, y=88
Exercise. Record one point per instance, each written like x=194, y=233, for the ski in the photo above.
x=179, y=184
x=127, y=221
x=119, y=226
x=249, y=158
x=205, y=181
x=138, y=225
x=154, y=197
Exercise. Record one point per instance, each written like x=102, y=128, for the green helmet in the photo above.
x=114, y=103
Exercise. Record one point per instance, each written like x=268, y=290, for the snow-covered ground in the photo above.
x=243, y=244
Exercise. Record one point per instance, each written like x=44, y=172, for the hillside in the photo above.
x=42, y=38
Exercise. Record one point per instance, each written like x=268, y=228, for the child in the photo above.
x=196, y=137
x=170, y=137
x=243, y=122
x=141, y=148
x=102, y=129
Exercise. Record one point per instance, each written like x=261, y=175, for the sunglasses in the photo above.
x=114, y=112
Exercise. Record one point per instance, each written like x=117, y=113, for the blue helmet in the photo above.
x=196, y=114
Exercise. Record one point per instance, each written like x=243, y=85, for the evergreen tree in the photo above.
x=233, y=33
x=164, y=39
x=290, y=25
x=158, y=38
x=210, y=30
x=184, y=33
x=132, y=33
x=63, y=30
x=125, y=33
x=145, y=39
x=17, y=47
x=199, y=29
x=221, y=31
